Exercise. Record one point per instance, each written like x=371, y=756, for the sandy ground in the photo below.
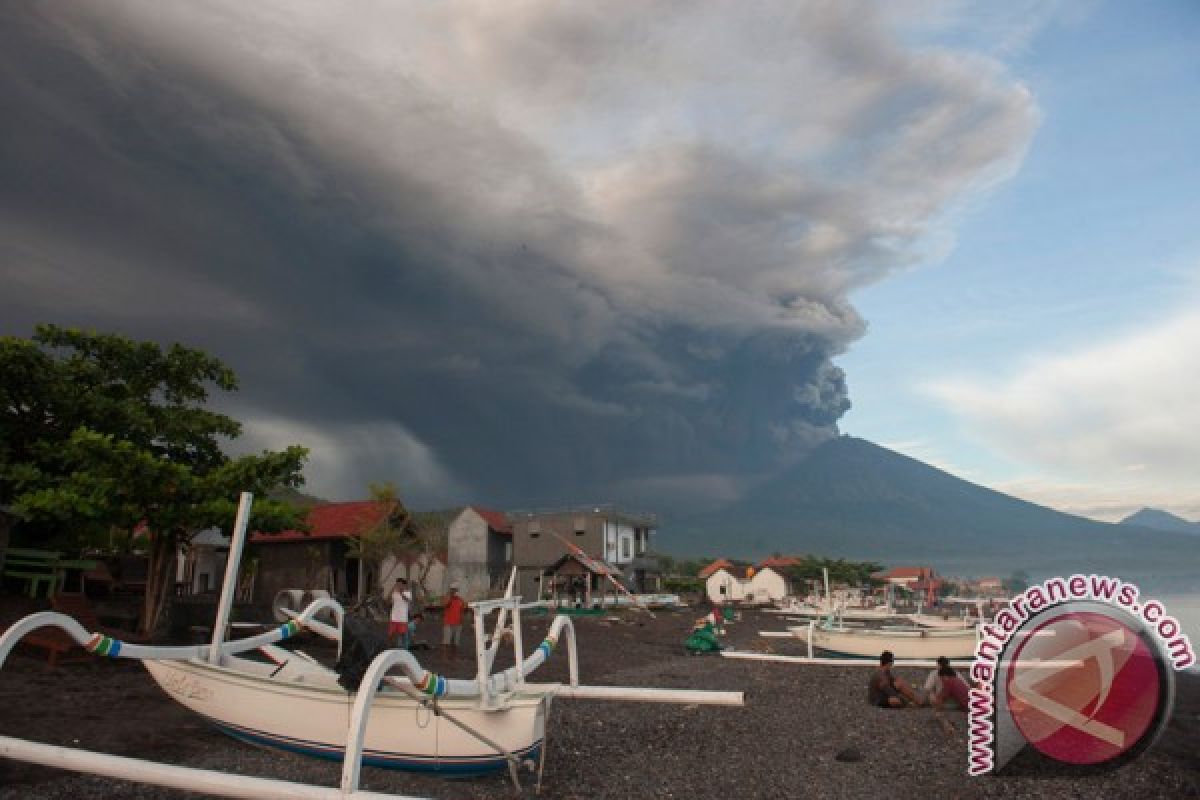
x=804, y=732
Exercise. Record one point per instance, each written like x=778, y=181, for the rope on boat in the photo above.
x=103, y=645
x=547, y=647
x=432, y=685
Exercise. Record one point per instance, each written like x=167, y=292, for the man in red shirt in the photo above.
x=452, y=614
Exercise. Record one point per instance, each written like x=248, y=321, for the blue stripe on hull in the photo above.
x=460, y=766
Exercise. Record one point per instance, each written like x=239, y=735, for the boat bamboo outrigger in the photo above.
x=417, y=720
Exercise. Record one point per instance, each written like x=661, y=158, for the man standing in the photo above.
x=398, y=626
x=452, y=614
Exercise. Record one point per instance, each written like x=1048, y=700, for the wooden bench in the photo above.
x=36, y=567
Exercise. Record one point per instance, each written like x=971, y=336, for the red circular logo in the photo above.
x=1083, y=688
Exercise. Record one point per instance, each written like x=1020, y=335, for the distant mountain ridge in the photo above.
x=851, y=498
x=1161, y=521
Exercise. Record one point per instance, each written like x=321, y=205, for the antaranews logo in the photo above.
x=1078, y=669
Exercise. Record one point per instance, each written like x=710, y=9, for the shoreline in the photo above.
x=806, y=731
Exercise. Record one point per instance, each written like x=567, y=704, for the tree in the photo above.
x=853, y=573
x=102, y=431
x=1017, y=582
x=393, y=536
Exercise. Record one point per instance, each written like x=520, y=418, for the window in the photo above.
x=535, y=529
x=580, y=526
x=626, y=548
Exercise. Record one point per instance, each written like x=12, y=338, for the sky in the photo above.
x=537, y=253
x=1053, y=351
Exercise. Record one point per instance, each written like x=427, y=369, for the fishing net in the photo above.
x=361, y=642
x=702, y=640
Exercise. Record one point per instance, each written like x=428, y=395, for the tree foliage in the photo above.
x=394, y=535
x=100, y=431
x=854, y=573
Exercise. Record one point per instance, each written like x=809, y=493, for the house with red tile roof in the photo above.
x=921, y=581
x=767, y=582
x=323, y=558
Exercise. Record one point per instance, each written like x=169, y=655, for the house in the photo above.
x=722, y=584
x=200, y=567
x=767, y=582
x=578, y=579
x=479, y=550
x=618, y=538
x=319, y=558
x=921, y=581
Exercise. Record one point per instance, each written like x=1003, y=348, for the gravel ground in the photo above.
x=804, y=732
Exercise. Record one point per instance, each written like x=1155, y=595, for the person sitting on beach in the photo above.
x=886, y=690
x=953, y=689
x=933, y=683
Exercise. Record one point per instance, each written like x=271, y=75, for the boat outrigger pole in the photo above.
x=237, y=543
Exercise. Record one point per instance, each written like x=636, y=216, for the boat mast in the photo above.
x=234, y=560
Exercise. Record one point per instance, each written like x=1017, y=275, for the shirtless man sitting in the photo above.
x=886, y=690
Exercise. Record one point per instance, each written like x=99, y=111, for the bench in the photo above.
x=36, y=567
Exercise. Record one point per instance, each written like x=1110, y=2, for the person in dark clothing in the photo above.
x=886, y=690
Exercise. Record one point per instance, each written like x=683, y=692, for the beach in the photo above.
x=805, y=731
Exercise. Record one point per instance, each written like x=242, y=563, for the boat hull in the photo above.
x=869, y=643
x=942, y=623
x=314, y=720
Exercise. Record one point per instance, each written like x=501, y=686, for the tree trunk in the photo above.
x=160, y=578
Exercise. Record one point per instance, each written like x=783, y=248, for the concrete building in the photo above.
x=479, y=552
x=621, y=539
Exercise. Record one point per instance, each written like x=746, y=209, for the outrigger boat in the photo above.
x=905, y=643
x=418, y=720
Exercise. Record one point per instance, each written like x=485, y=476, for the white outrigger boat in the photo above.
x=905, y=643
x=419, y=720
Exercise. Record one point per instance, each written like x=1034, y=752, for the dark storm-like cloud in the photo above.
x=530, y=252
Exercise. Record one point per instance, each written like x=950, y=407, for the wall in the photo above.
x=291, y=565
x=467, y=553
x=435, y=580
x=735, y=589
x=766, y=586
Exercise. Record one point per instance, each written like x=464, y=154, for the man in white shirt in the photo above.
x=398, y=626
